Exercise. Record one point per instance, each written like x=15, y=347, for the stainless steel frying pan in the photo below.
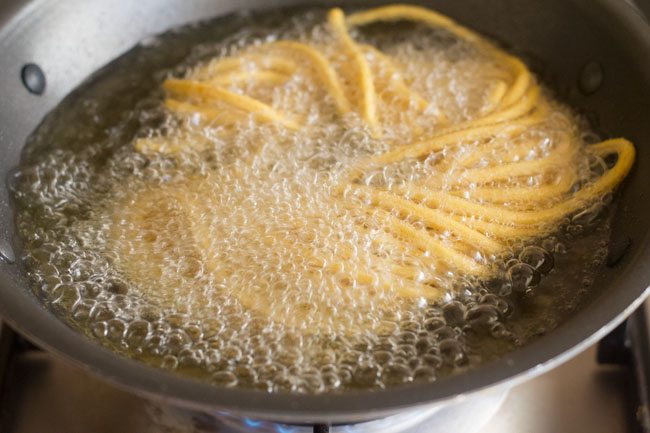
x=594, y=53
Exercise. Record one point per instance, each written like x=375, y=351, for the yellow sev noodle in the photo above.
x=476, y=218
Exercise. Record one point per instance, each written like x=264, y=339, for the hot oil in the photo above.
x=214, y=277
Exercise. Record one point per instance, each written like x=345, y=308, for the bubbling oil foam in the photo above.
x=233, y=259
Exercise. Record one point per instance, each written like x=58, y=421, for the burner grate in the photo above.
x=447, y=417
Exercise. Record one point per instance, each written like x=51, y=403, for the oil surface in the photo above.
x=111, y=233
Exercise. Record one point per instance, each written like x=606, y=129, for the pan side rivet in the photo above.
x=6, y=252
x=33, y=78
x=590, y=78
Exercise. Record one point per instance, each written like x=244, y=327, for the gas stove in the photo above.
x=605, y=389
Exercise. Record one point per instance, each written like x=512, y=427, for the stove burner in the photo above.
x=447, y=417
x=399, y=423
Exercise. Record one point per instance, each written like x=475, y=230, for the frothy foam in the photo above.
x=229, y=253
